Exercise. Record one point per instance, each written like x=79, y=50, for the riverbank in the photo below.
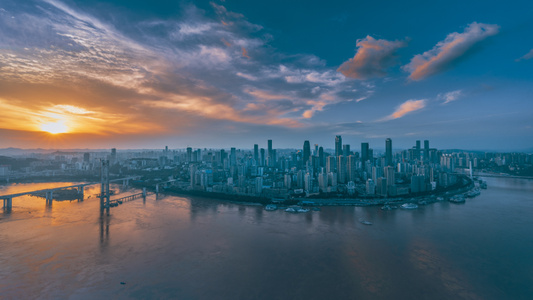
x=424, y=198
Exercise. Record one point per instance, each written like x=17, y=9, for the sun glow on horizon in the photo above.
x=55, y=127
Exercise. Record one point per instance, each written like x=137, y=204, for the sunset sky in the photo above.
x=149, y=74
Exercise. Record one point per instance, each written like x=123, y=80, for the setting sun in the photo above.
x=55, y=127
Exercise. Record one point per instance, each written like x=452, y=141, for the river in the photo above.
x=199, y=248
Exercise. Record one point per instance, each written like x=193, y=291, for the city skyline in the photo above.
x=127, y=75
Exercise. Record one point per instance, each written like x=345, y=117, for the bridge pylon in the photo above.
x=104, y=186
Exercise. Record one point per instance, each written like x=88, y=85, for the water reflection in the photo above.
x=259, y=213
x=104, y=231
x=200, y=248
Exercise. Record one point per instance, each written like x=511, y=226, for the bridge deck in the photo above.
x=44, y=190
x=127, y=198
x=61, y=188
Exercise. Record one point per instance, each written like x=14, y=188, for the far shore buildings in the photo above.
x=279, y=173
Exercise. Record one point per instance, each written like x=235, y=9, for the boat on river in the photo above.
x=386, y=207
x=297, y=209
x=457, y=199
x=271, y=207
x=409, y=206
x=473, y=193
x=365, y=222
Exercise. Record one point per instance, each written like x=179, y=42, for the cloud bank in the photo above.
x=372, y=58
x=191, y=71
x=447, y=51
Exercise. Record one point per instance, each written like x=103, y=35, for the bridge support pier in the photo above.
x=8, y=203
x=104, y=188
x=81, y=193
x=144, y=195
x=49, y=197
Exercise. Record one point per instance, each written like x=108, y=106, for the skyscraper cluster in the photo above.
x=285, y=173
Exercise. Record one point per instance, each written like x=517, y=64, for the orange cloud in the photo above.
x=204, y=106
x=372, y=58
x=447, y=51
x=264, y=95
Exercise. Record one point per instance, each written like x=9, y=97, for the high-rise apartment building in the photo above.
x=426, y=150
x=262, y=161
x=338, y=145
x=341, y=169
x=417, y=150
x=388, y=152
x=364, y=153
x=306, y=152
x=321, y=157
x=269, y=152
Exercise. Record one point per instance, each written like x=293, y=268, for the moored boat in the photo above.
x=271, y=207
x=409, y=206
x=457, y=199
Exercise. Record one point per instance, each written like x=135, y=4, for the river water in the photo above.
x=199, y=248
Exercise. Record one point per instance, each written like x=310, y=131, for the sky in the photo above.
x=149, y=74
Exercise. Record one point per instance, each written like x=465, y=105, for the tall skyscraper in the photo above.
x=389, y=173
x=233, y=157
x=426, y=150
x=350, y=168
x=273, y=159
x=331, y=164
x=346, y=150
x=316, y=150
x=256, y=153
x=269, y=152
x=364, y=153
x=338, y=145
x=113, y=156
x=388, y=152
x=341, y=169
x=262, y=162
x=189, y=154
x=321, y=158
x=417, y=150
x=223, y=156
x=306, y=152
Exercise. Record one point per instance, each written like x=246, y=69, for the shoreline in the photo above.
x=249, y=199
x=425, y=198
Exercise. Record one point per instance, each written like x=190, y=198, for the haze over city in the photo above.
x=137, y=74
